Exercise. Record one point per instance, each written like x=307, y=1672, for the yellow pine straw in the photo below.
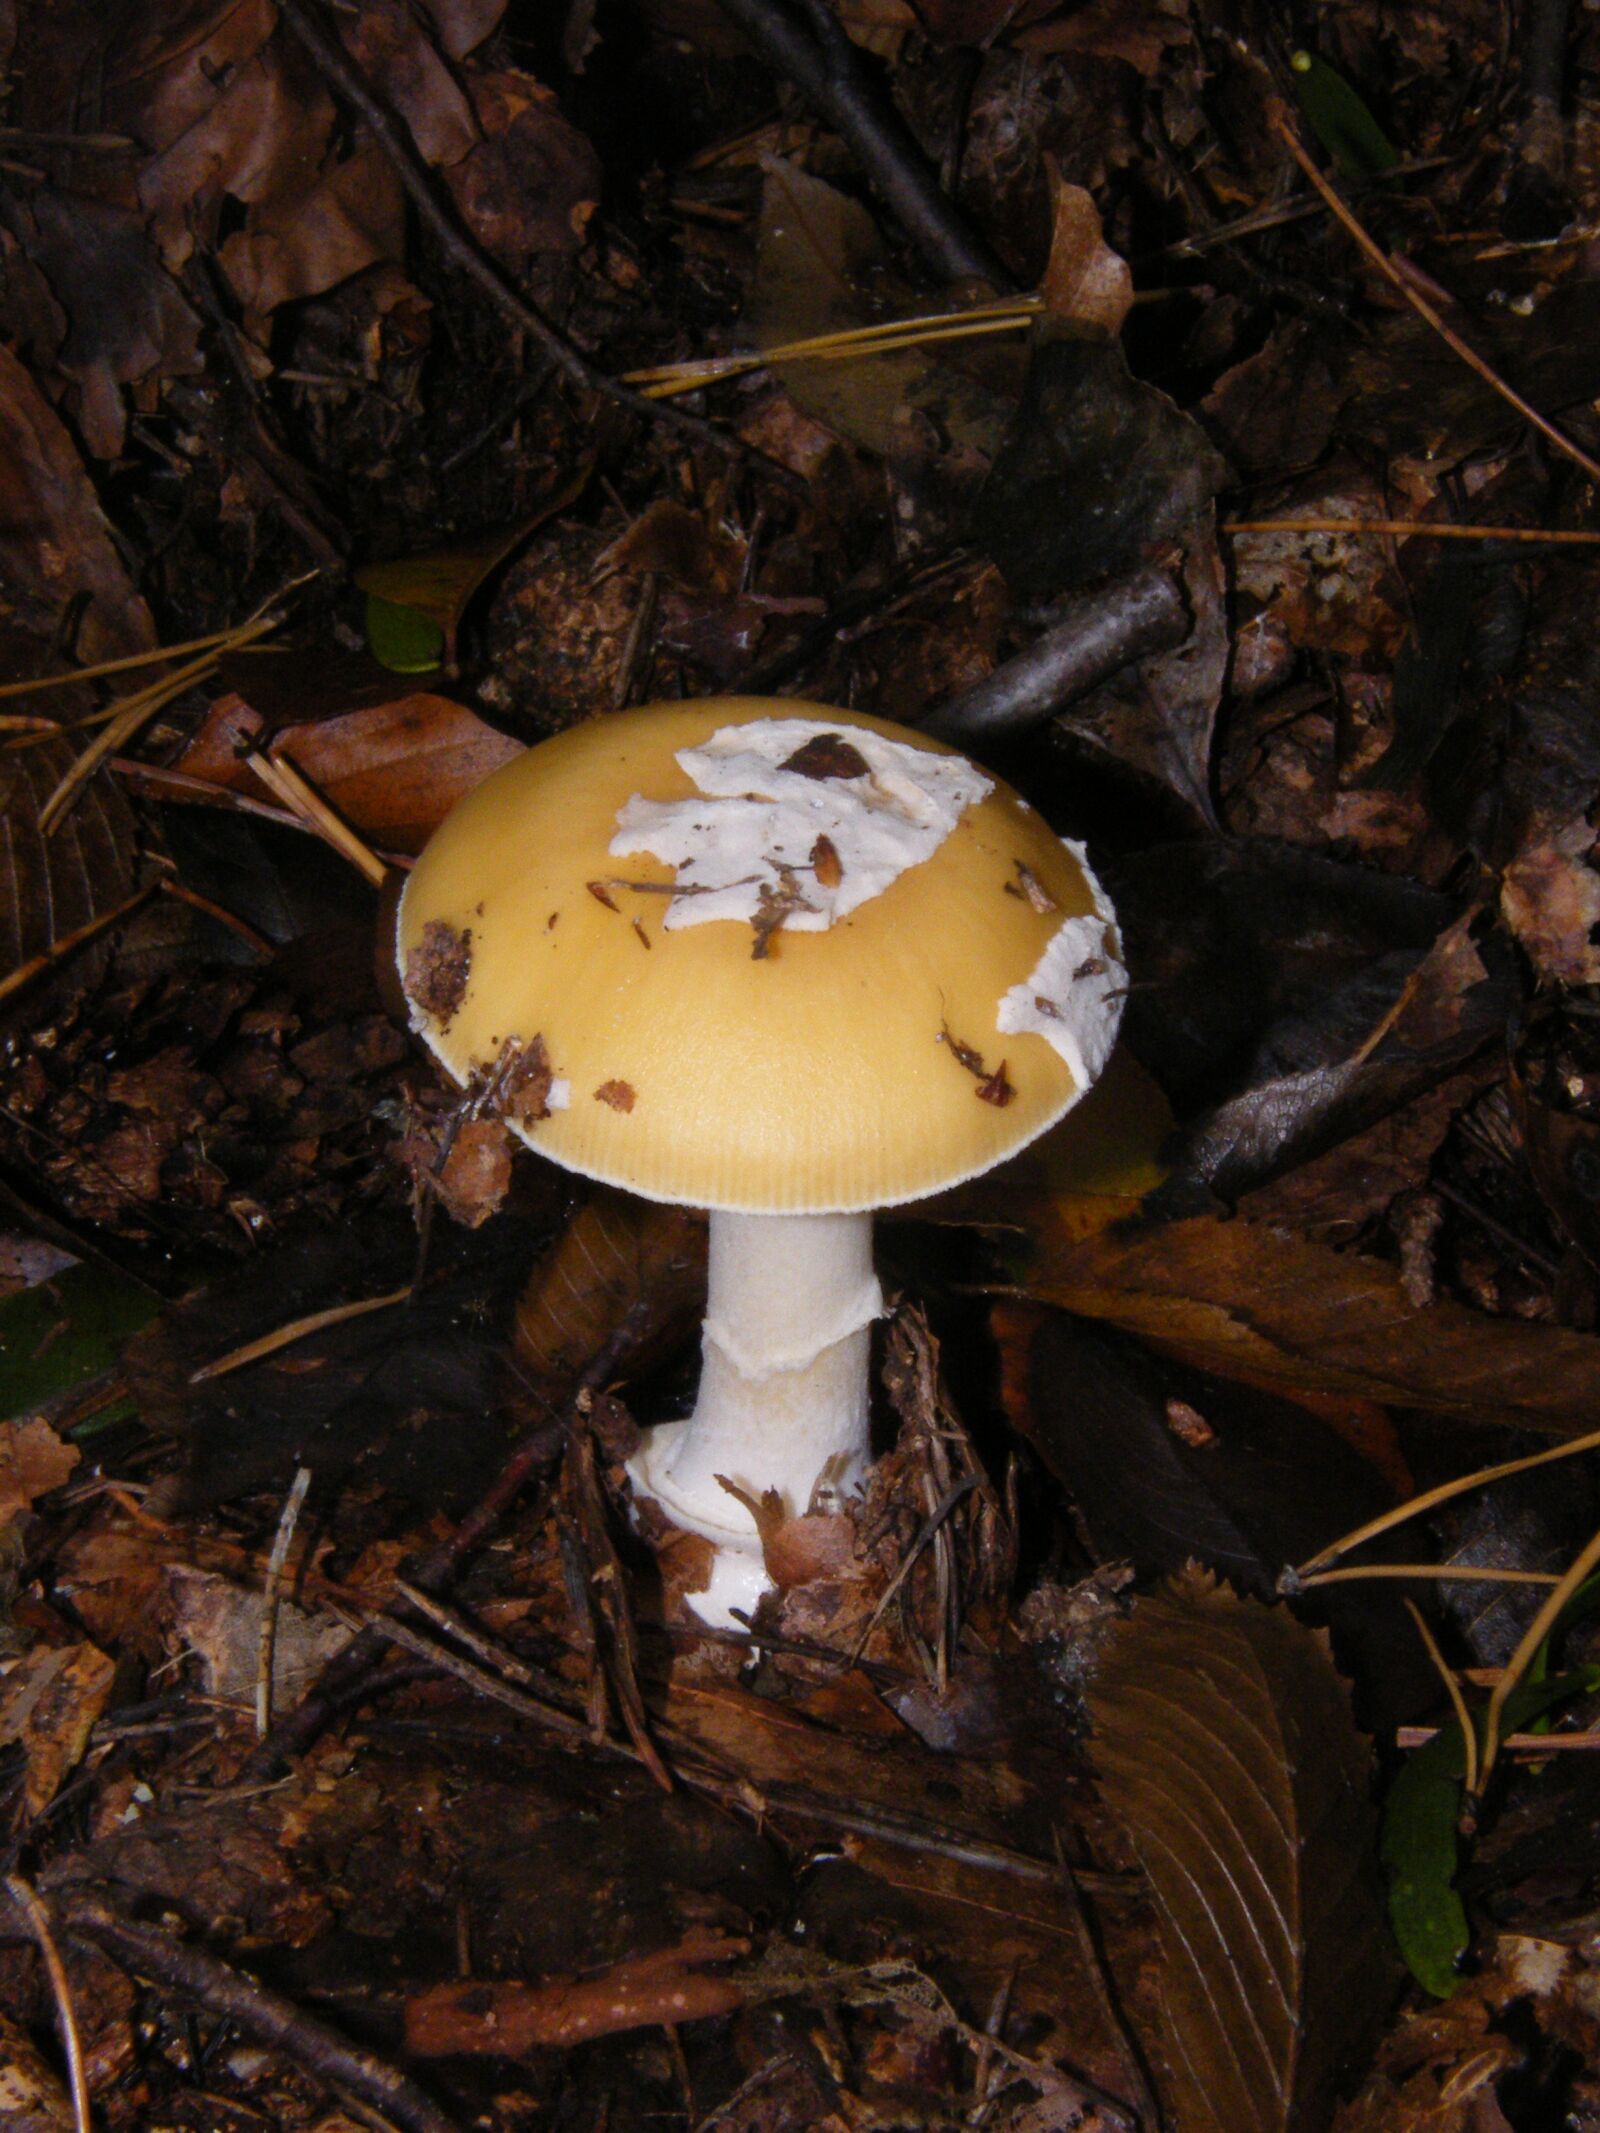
x=27, y=1900
x=295, y=1329
x=1442, y=1494
x=1458, y=1702
x=1411, y=529
x=1283, y=126
x=665, y=380
x=16, y=980
x=1465, y=1573
x=1532, y=1637
x=298, y=793
x=843, y=337
x=118, y=723
x=122, y=720
x=119, y=666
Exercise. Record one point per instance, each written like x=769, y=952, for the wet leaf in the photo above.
x=823, y=268
x=1095, y=465
x=618, y=1255
x=55, y=543
x=1224, y=1739
x=532, y=182
x=393, y=771
x=439, y=584
x=1249, y=1301
x=1421, y=1840
x=403, y=639
x=1341, y=121
x=64, y=1332
x=49, y=1701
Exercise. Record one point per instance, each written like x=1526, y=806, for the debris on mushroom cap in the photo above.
x=768, y=792
x=805, y=1079
x=1073, y=995
x=437, y=969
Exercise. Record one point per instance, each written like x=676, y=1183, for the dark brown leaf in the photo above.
x=1253, y=1302
x=618, y=1254
x=1228, y=1752
x=55, y=544
x=392, y=770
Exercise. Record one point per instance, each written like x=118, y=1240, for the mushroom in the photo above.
x=786, y=963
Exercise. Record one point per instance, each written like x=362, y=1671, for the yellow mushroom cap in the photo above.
x=847, y=1068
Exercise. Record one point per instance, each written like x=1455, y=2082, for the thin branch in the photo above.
x=394, y=138
x=1088, y=641
x=1407, y=529
x=272, y=1597
x=222, y=1990
x=817, y=55
x=341, y=1677
x=69, y=943
x=1416, y=1505
x=1284, y=127
x=27, y=1901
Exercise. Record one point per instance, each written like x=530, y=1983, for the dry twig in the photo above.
x=26, y=1898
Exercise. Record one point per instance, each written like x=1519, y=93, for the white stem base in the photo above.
x=783, y=1401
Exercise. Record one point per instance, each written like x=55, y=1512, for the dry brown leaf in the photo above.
x=127, y=321
x=220, y=1624
x=1228, y=1752
x=1085, y=284
x=532, y=182
x=1550, y=898
x=32, y=2099
x=33, y=1461
x=392, y=771
x=49, y=1701
x=1253, y=1302
x=307, y=237
x=617, y=1255
x=387, y=42
x=55, y=544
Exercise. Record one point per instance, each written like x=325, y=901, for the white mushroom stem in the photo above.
x=784, y=1398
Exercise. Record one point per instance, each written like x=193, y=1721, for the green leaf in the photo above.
x=1420, y=1841
x=403, y=639
x=436, y=589
x=1340, y=120
x=65, y=1331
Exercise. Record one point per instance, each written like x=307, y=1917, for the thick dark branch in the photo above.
x=1090, y=639
x=222, y=1990
x=334, y=63
x=826, y=68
